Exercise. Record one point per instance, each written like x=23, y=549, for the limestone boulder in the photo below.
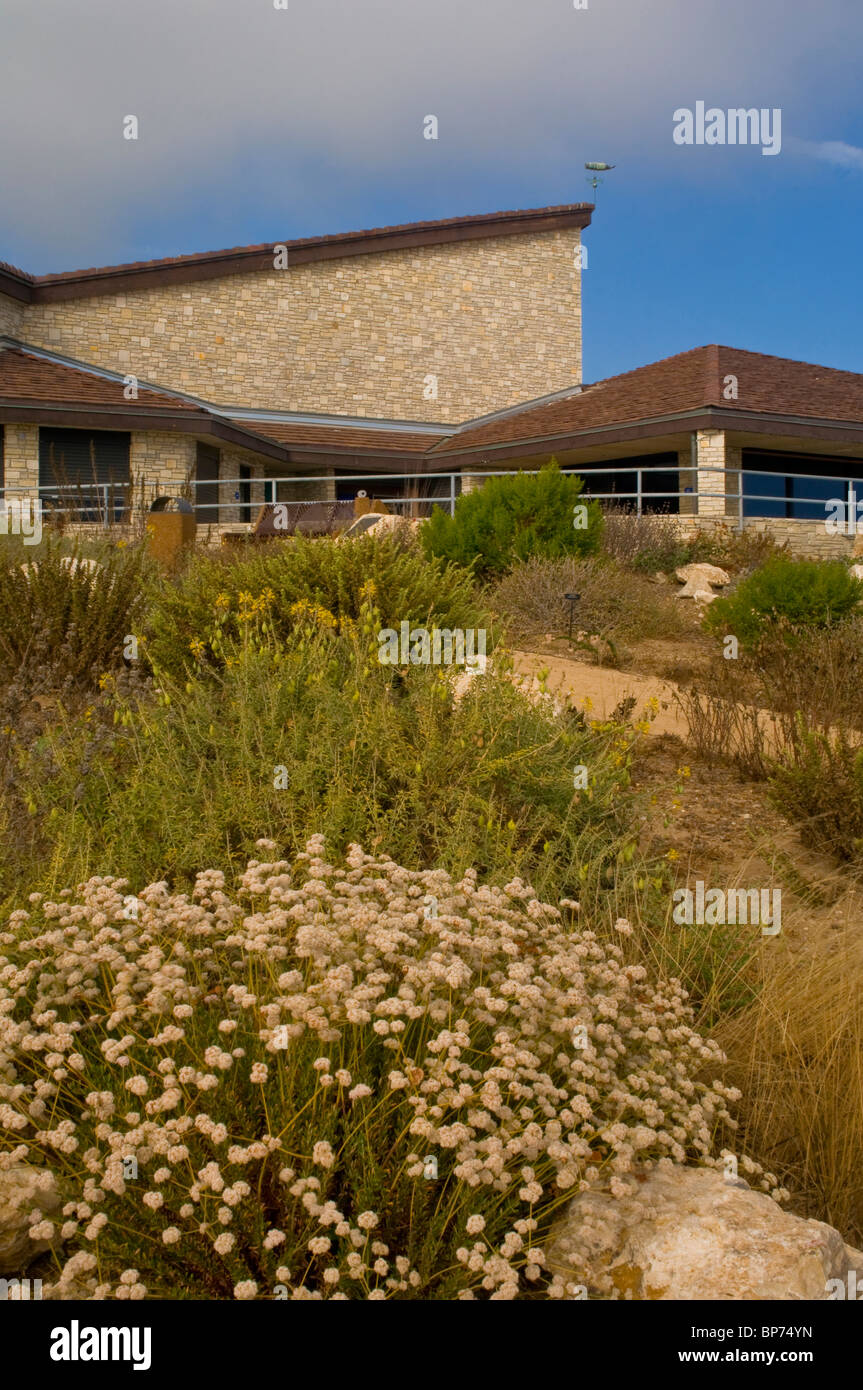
x=24, y=1191
x=700, y=579
x=690, y=1233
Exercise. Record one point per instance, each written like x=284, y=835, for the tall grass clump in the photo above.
x=612, y=603
x=796, y=1054
x=343, y=1080
x=66, y=610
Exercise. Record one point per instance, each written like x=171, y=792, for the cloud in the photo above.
x=833, y=152
x=259, y=123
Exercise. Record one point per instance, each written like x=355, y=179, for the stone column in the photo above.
x=21, y=460
x=713, y=456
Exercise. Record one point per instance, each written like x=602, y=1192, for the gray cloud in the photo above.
x=265, y=122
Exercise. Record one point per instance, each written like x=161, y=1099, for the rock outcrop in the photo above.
x=690, y=1233
x=699, y=581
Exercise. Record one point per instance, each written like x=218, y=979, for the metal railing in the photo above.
x=107, y=504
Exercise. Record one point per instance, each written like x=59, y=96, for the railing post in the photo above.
x=740, y=500
x=638, y=490
x=452, y=494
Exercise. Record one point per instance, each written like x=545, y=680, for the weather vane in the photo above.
x=597, y=169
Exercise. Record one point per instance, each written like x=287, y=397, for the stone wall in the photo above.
x=11, y=313
x=21, y=460
x=495, y=321
x=805, y=539
x=160, y=462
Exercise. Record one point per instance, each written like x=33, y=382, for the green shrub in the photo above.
x=512, y=518
x=335, y=576
x=345, y=1079
x=165, y=783
x=800, y=593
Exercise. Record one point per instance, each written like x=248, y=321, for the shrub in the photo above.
x=312, y=1078
x=650, y=542
x=750, y=710
x=332, y=575
x=512, y=518
x=804, y=593
x=160, y=784
x=64, y=616
x=819, y=782
x=612, y=603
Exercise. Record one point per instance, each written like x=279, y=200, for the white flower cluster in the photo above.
x=406, y=1038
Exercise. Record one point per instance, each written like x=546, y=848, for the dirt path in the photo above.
x=605, y=688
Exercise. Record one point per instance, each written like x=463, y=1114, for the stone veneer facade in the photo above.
x=11, y=314
x=496, y=320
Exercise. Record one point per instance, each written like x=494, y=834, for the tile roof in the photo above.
x=682, y=386
x=26, y=378
x=348, y=437
x=688, y=381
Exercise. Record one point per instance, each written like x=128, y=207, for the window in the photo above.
x=207, y=485
x=85, y=472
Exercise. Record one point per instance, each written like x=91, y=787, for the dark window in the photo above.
x=659, y=481
x=207, y=489
x=771, y=490
x=245, y=492
x=85, y=472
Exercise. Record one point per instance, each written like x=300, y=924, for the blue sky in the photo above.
x=260, y=125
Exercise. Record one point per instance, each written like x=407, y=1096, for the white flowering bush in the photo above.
x=339, y=1081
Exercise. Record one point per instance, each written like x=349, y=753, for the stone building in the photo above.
x=429, y=354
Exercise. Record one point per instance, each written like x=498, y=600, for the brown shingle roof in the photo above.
x=35, y=379
x=348, y=437
x=686, y=382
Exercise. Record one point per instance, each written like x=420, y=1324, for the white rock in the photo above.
x=857, y=571
x=24, y=1189
x=698, y=579
x=692, y=1234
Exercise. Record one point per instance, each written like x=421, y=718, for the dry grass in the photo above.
x=616, y=605
x=797, y=1055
